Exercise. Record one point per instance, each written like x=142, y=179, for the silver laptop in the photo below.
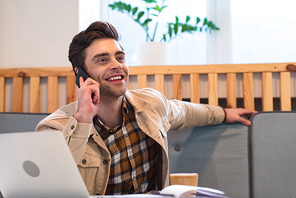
x=38, y=164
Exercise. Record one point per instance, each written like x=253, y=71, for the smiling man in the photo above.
x=118, y=137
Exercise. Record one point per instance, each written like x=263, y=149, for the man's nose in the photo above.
x=115, y=64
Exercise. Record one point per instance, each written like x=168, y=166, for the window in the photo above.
x=188, y=48
x=263, y=31
x=250, y=31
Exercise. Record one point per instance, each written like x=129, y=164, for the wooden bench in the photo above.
x=170, y=80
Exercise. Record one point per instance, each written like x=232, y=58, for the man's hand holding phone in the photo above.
x=88, y=96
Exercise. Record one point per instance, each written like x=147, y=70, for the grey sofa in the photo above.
x=257, y=161
x=19, y=122
x=219, y=154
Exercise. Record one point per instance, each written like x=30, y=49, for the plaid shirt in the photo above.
x=133, y=155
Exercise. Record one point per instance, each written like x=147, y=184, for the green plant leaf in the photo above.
x=134, y=11
x=187, y=19
x=177, y=19
x=188, y=28
x=164, y=38
x=163, y=7
x=212, y=26
x=128, y=7
x=157, y=8
x=150, y=1
x=120, y=6
x=183, y=29
x=112, y=6
x=140, y=15
x=197, y=20
x=146, y=22
x=170, y=31
x=176, y=28
x=205, y=21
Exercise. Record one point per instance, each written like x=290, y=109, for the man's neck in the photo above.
x=110, y=112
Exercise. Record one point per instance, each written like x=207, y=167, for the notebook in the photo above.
x=38, y=164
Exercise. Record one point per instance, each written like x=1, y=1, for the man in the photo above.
x=118, y=137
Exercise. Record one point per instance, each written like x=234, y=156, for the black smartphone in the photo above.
x=81, y=72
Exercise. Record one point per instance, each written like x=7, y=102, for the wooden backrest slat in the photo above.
x=231, y=90
x=71, y=89
x=194, y=88
x=285, y=91
x=267, y=100
x=159, y=82
x=213, y=88
x=17, y=100
x=52, y=96
x=248, y=91
x=177, y=86
x=2, y=94
x=34, y=94
x=142, y=81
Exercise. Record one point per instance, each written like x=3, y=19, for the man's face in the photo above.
x=105, y=63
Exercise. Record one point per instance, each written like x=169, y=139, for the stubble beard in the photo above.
x=109, y=93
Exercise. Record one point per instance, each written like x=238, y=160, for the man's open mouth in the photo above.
x=113, y=78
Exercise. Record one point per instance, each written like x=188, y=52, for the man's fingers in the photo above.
x=90, y=81
x=95, y=94
x=81, y=80
x=244, y=121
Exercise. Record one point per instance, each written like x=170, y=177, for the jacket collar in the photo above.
x=138, y=103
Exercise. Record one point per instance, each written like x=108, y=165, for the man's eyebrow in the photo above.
x=106, y=54
x=99, y=55
x=120, y=52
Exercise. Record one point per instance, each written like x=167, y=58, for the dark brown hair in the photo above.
x=96, y=30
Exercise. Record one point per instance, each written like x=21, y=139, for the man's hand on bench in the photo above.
x=235, y=115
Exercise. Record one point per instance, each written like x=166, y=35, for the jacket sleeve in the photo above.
x=76, y=134
x=178, y=114
x=184, y=114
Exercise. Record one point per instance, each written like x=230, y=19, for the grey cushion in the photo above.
x=218, y=153
x=19, y=122
x=273, y=136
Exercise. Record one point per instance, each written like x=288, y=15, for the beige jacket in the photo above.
x=155, y=115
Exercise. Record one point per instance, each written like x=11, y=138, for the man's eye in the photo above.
x=121, y=59
x=102, y=60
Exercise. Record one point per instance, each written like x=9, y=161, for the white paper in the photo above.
x=179, y=190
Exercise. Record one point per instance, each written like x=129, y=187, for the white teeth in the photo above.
x=114, y=78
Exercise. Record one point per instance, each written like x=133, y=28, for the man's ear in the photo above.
x=76, y=70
